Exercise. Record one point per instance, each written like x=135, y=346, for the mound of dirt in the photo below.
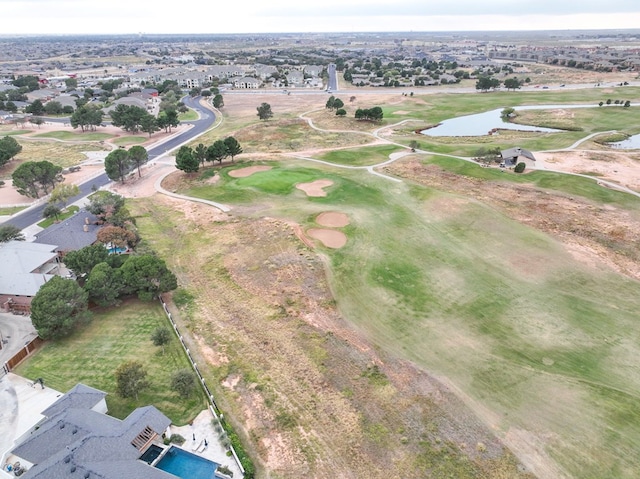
x=315, y=188
x=332, y=219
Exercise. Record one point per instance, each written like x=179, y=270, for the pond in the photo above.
x=480, y=124
x=631, y=143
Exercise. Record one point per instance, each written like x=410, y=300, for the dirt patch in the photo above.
x=248, y=171
x=332, y=219
x=315, y=188
x=329, y=238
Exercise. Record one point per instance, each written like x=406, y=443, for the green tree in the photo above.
x=30, y=82
x=58, y=306
x=147, y=276
x=264, y=111
x=105, y=205
x=82, y=261
x=200, y=153
x=71, y=83
x=149, y=124
x=330, y=102
x=36, y=108
x=512, y=83
x=51, y=211
x=87, y=117
x=36, y=120
x=117, y=164
x=62, y=193
x=53, y=108
x=218, y=101
x=10, y=107
x=168, y=119
x=117, y=237
x=486, y=83
x=337, y=104
x=507, y=113
x=138, y=156
x=341, y=112
x=183, y=382
x=186, y=160
x=131, y=378
x=34, y=177
x=10, y=233
x=520, y=167
x=9, y=146
x=217, y=151
x=232, y=146
x=161, y=336
x=104, y=285
x=129, y=117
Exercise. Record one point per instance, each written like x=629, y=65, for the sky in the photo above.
x=273, y=16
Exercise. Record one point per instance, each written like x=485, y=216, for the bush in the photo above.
x=520, y=167
x=183, y=382
x=176, y=439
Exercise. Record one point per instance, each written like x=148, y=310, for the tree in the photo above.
x=105, y=205
x=507, y=113
x=149, y=124
x=232, y=146
x=117, y=164
x=10, y=233
x=82, y=261
x=373, y=114
x=341, y=112
x=117, y=237
x=147, y=276
x=51, y=211
x=168, y=119
x=104, y=285
x=217, y=151
x=36, y=120
x=512, y=83
x=520, y=167
x=33, y=177
x=264, y=111
x=161, y=336
x=53, y=107
x=87, y=117
x=131, y=378
x=218, y=101
x=338, y=103
x=200, y=153
x=36, y=108
x=71, y=83
x=62, y=193
x=129, y=117
x=486, y=83
x=330, y=102
x=186, y=161
x=58, y=306
x=138, y=156
x=10, y=146
x=183, y=382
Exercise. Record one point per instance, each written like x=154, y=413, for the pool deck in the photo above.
x=201, y=428
x=21, y=405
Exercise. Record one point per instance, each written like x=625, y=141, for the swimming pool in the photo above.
x=186, y=465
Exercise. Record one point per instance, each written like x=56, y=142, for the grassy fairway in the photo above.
x=502, y=310
x=74, y=136
x=129, y=140
x=365, y=156
x=92, y=355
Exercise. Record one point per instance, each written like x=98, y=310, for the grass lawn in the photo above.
x=74, y=136
x=365, y=156
x=5, y=132
x=129, y=140
x=69, y=211
x=190, y=115
x=11, y=210
x=92, y=354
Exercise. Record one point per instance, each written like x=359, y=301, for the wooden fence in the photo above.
x=22, y=354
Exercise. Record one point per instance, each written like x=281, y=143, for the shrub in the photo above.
x=520, y=167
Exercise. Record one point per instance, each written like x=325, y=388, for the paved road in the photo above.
x=207, y=118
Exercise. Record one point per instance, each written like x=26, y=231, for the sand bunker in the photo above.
x=332, y=219
x=248, y=171
x=329, y=238
x=315, y=188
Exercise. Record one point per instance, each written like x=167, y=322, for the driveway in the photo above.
x=15, y=332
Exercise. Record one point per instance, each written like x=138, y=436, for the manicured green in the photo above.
x=14, y=132
x=74, y=136
x=129, y=140
x=93, y=353
x=189, y=115
x=364, y=156
x=69, y=211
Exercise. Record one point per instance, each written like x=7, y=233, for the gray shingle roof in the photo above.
x=21, y=262
x=75, y=436
x=69, y=234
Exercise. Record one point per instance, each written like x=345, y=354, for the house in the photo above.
x=25, y=268
x=77, y=439
x=72, y=234
x=246, y=82
x=513, y=156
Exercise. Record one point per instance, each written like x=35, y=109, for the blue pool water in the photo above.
x=186, y=465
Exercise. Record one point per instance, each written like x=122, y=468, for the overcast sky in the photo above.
x=257, y=16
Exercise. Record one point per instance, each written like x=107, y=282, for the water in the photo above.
x=186, y=465
x=481, y=123
x=631, y=143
